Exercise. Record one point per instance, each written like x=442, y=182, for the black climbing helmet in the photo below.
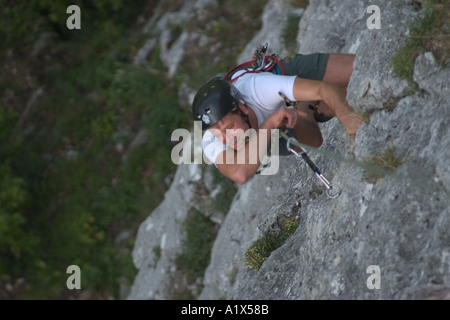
x=214, y=101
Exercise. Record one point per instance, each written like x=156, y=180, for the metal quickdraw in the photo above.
x=259, y=63
x=332, y=191
x=260, y=60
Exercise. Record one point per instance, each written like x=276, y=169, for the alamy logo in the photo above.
x=374, y=280
x=74, y=281
x=374, y=21
x=74, y=21
x=182, y=151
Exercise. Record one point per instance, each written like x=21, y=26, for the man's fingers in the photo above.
x=289, y=116
x=301, y=113
x=291, y=120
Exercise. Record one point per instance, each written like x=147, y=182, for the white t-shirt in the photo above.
x=260, y=92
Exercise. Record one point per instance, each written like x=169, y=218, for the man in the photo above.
x=253, y=101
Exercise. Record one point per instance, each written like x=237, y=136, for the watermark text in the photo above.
x=242, y=147
x=73, y=281
x=74, y=20
x=374, y=21
x=374, y=280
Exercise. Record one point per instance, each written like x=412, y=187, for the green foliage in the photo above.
x=261, y=249
x=98, y=191
x=104, y=126
x=9, y=145
x=13, y=197
x=197, y=245
x=15, y=238
x=71, y=180
x=430, y=33
x=23, y=22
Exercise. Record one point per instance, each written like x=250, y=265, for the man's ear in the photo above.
x=243, y=107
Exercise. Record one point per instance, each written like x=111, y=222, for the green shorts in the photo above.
x=308, y=66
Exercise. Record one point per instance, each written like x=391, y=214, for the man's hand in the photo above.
x=312, y=90
x=283, y=117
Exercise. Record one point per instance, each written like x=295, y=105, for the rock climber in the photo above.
x=228, y=106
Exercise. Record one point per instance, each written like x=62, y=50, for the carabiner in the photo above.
x=331, y=192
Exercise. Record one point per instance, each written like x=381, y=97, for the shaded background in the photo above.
x=85, y=135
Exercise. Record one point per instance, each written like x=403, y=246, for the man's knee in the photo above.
x=312, y=138
x=315, y=141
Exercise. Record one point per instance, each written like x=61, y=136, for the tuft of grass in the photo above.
x=261, y=249
x=431, y=33
x=382, y=164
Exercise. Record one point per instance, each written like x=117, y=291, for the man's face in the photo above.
x=231, y=130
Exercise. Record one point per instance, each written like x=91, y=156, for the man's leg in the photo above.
x=307, y=130
x=338, y=71
x=333, y=68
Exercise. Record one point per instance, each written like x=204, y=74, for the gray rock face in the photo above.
x=162, y=232
x=399, y=223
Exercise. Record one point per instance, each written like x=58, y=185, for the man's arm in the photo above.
x=312, y=90
x=227, y=161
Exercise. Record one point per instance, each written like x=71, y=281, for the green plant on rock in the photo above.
x=430, y=33
x=261, y=249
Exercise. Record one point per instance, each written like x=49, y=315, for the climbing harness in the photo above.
x=332, y=191
x=260, y=63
